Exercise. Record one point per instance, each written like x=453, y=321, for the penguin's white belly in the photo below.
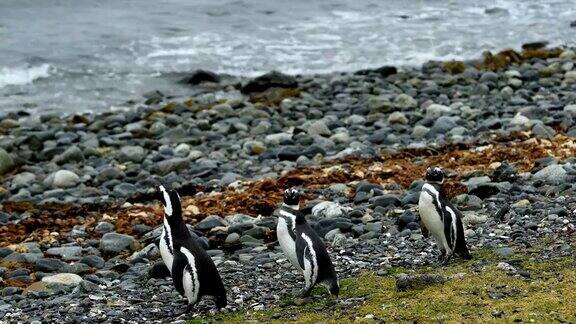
x=190, y=279
x=310, y=262
x=190, y=289
x=167, y=257
x=432, y=220
x=287, y=244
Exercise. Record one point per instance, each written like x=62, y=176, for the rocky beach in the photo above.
x=79, y=216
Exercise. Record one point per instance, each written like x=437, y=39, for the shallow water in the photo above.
x=78, y=55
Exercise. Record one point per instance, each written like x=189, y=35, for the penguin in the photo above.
x=165, y=245
x=308, y=249
x=440, y=218
x=286, y=226
x=193, y=272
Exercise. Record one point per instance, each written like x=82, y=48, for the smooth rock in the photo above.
x=63, y=278
x=65, y=179
x=113, y=243
x=328, y=209
x=6, y=162
x=553, y=174
x=210, y=222
x=131, y=154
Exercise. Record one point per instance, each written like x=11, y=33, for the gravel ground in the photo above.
x=78, y=218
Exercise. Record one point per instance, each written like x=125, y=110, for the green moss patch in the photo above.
x=480, y=290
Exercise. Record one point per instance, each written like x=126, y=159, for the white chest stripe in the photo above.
x=168, y=208
x=166, y=247
x=190, y=277
x=311, y=263
x=168, y=233
x=436, y=195
x=454, y=232
x=291, y=216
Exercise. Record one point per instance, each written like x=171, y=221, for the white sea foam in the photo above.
x=23, y=75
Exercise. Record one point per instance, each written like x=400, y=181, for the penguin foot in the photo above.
x=441, y=258
x=304, y=293
x=446, y=259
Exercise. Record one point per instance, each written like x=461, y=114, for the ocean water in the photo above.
x=92, y=55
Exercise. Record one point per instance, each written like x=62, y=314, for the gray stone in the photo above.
x=110, y=173
x=113, y=243
x=93, y=261
x=174, y=164
x=489, y=77
x=475, y=181
x=258, y=232
x=319, y=128
x=436, y=110
x=420, y=131
x=65, y=179
x=240, y=219
x=124, y=190
x=131, y=154
x=6, y=162
x=182, y=150
x=254, y=147
x=23, y=179
x=571, y=109
x=380, y=104
x=472, y=218
x=385, y=201
x=49, y=265
x=543, y=131
x=104, y=227
x=63, y=279
x=210, y=222
x=65, y=252
x=230, y=177
x=397, y=117
x=404, y=101
x=72, y=154
x=328, y=209
x=375, y=227
x=520, y=120
x=442, y=125
x=24, y=257
x=232, y=238
x=552, y=174
x=339, y=240
x=332, y=234
x=77, y=268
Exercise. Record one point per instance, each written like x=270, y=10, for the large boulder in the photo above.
x=201, y=76
x=273, y=79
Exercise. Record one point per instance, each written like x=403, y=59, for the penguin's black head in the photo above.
x=435, y=174
x=170, y=200
x=291, y=197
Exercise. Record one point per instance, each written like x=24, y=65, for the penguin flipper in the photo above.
x=457, y=232
x=300, y=250
x=461, y=248
x=178, y=268
x=449, y=232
